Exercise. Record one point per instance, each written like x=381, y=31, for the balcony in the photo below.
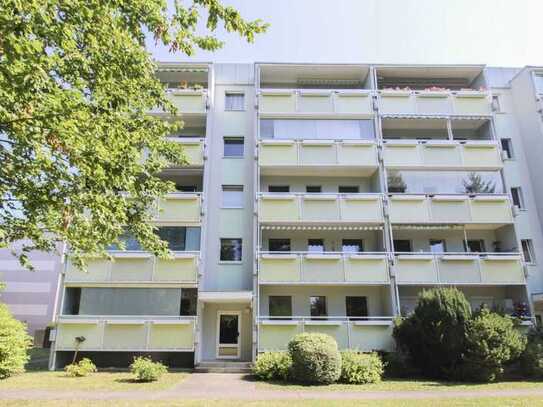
x=459, y=268
x=311, y=102
x=187, y=101
x=372, y=333
x=126, y=333
x=184, y=208
x=278, y=208
x=137, y=267
x=323, y=268
x=193, y=149
x=430, y=102
x=442, y=154
x=304, y=157
x=488, y=210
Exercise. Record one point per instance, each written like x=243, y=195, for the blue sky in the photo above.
x=492, y=32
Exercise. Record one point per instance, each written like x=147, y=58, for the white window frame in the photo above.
x=522, y=204
x=232, y=188
x=530, y=249
x=509, y=143
x=239, y=138
x=228, y=108
x=218, y=335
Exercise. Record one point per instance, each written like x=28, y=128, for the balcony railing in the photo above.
x=459, y=268
x=138, y=267
x=407, y=102
x=309, y=102
x=366, y=334
x=126, y=333
x=179, y=207
x=491, y=209
x=442, y=154
x=193, y=149
x=187, y=101
x=318, y=153
x=324, y=268
x=320, y=208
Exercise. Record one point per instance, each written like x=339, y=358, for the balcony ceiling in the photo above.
x=456, y=74
x=318, y=75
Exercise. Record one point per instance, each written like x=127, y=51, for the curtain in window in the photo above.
x=234, y=101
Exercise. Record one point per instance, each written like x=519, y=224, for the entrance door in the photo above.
x=228, y=334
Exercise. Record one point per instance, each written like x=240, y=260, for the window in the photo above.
x=402, y=245
x=234, y=101
x=518, y=199
x=528, y=250
x=278, y=188
x=318, y=306
x=279, y=245
x=538, y=83
x=189, y=299
x=314, y=189
x=507, y=147
x=475, y=246
x=280, y=305
x=233, y=146
x=180, y=238
x=437, y=246
x=356, y=307
x=186, y=188
x=496, y=107
x=230, y=249
x=352, y=246
x=129, y=241
x=348, y=189
x=315, y=245
x=232, y=196
x=300, y=129
x=72, y=299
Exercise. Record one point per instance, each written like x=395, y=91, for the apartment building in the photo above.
x=318, y=198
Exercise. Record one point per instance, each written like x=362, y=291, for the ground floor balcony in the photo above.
x=138, y=267
x=442, y=154
x=311, y=157
x=459, y=268
x=491, y=211
x=364, y=335
x=322, y=268
x=125, y=333
x=292, y=208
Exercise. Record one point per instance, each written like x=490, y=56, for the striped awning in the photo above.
x=323, y=228
x=427, y=227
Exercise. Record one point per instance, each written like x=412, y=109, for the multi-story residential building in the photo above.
x=318, y=198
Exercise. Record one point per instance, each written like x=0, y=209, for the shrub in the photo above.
x=433, y=337
x=361, y=368
x=146, y=370
x=531, y=360
x=81, y=369
x=315, y=358
x=397, y=365
x=273, y=366
x=491, y=341
x=14, y=344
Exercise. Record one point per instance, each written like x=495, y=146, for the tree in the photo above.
x=14, y=344
x=434, y=336
x=474, y=184
x=75, y=85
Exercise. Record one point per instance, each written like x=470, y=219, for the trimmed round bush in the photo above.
x=273, y=366
x=491, y=342
x=80, y=369
x=531, y=360
x=315, y=358
x=146, y=370
x=14, y=344
x=361, y=368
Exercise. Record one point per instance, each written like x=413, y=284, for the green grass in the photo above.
x=109, y=381
x=453, y=402
x=406, y=385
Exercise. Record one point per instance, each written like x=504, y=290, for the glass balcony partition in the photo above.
x=298, y=129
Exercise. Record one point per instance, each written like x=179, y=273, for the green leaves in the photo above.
x=76, y=84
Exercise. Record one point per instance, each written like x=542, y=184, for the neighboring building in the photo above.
x=30, y=295
x=319, y=198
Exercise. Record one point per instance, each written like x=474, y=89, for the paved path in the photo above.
x=211, y=386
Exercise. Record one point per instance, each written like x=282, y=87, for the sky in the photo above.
x=492, y=32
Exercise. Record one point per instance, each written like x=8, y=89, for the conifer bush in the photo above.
x=531, y=360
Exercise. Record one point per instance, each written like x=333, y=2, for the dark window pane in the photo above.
x=233, y=147
x=402, y=245
x=278, y=188
x=346, y=189
x=129, y=240
x=174, y=235
x=313, y=189
x=315, y=245
x=352, y=245
x=476, y=246
x=280, y=306
x=279, y=245
x=230, y=249
x=356, y=307
x=186, y=188
x=72, y=300
x=228, y=328
x=318, y=306
x=189, y=299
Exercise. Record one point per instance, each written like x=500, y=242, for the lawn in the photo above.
x=454, y=402
x=407, y=385
x=114, y=381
